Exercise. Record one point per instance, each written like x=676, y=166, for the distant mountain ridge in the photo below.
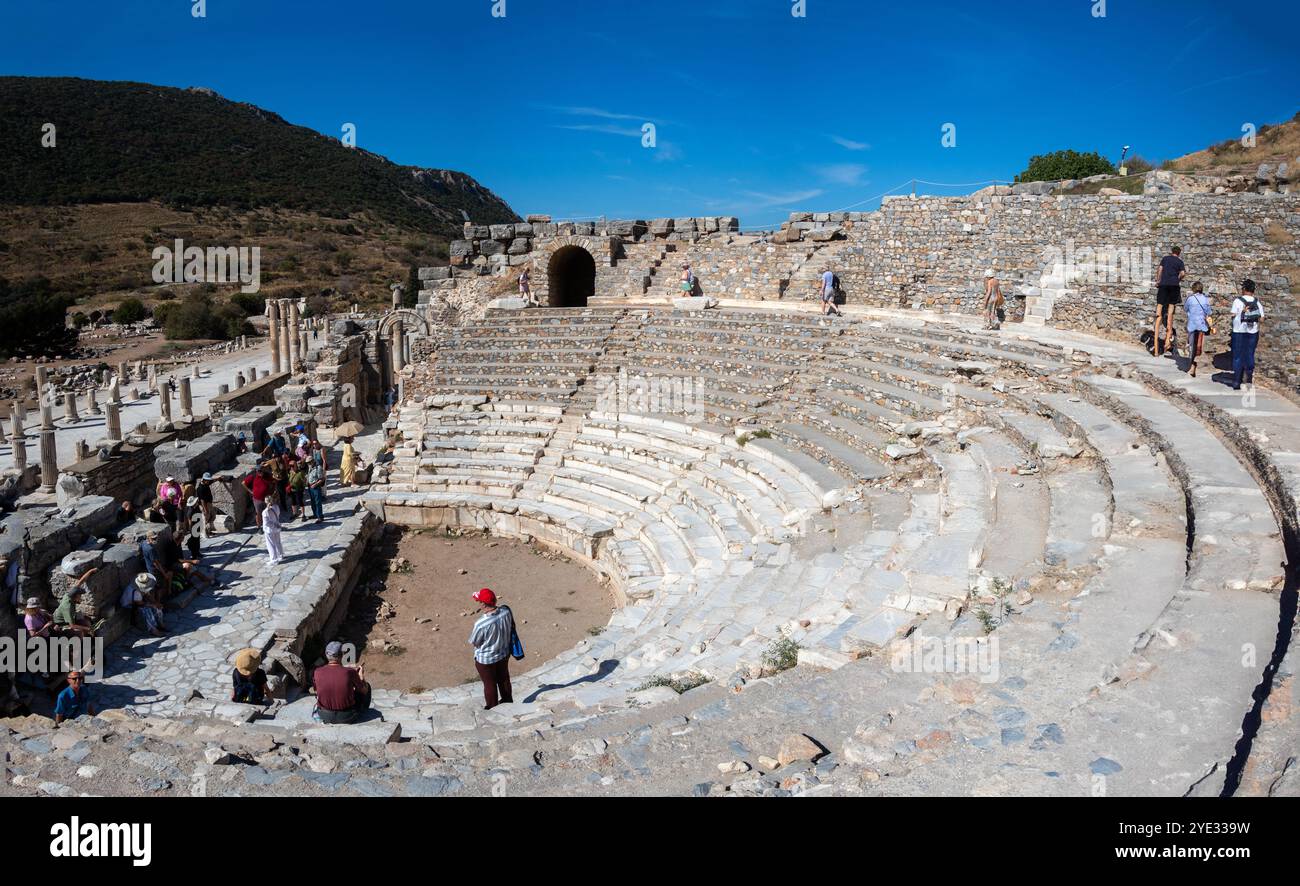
x=121, y=142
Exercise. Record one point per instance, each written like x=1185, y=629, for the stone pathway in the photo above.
x=156, y=674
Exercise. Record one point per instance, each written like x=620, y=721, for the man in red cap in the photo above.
x=491, y=639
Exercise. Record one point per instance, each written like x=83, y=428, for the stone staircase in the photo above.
x=1040, y=299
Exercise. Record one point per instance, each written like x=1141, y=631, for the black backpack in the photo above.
x=1252, y=312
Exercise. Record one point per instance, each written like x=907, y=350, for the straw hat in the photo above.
x=247, y=661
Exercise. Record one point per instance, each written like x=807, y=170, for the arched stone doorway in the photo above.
x=571, y=277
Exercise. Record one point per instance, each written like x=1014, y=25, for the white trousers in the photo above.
x=274, y=552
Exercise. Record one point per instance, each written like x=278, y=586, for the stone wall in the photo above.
x=129, y=471
x=932, y=252
x=257, y=393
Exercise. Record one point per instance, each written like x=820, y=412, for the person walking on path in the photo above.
x=1169, y=295
x=828, y=293
x=271, y=531
x=1247, y=313
x=688, y=281
x=492, y=638
x=342, y=694
x=1198, y=324
x=525, y=289
x=993, y=300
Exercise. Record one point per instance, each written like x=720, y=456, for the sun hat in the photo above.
x=207, y=476
x=33, y=602
x=247, y=661
x=486, y=596
x=169, y=480
x=145, y=581
x=988, y=273
x=191, y=501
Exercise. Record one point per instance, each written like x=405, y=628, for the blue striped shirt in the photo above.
x=491, y=636
x=1198, y=312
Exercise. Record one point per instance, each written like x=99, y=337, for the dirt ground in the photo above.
x=413, y=633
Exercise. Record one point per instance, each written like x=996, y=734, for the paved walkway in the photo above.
x=154, y=674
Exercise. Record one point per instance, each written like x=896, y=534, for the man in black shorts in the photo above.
x=1169, y=295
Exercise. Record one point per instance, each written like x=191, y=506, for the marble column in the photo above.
x=123, y=371
x=42, y=384
x=222, y=390
x=115, y=392
x=273, y=315
x=165, y=403
x=286, y=357
x=239, y=380
x=187, y=401
x=113, y=420
x=396, y=348
x=70, y=407
x=252, y=374
x=92, y=403
x=16, y=438
x=295, y=340
x=49, y=452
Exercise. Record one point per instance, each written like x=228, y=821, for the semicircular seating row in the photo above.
x=906, y=466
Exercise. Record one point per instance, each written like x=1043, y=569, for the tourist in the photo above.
x=275, y=446
x=993, y=300
x=342, y=694
x=170, y=491
x=271, y=532
x=248, y=679
x=125, y=514
x=280, y=484
x=390, y=399
x=9, y=578
x=36, y=620
x=74, y=700
x=258, y=484
x=141, y=596
x=688, y=280
x=1247, y=313
x=241, y=443
x=1169, y=295
x=66, y=621
x=348, y=467
x=828, y=293
x=298, y=489
x=1198, y=324
x=492, y=638
x=525, y=290
x=203, y=492
x=162, y=557
x=316, y=489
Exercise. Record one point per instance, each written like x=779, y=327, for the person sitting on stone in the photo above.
x=66, y=621
x=139, y=596
x=37, y=621
x=248, y=679
x=73, y=701
x=9, y=578
x=241, y=443
x=125, y=514
x=342, y=693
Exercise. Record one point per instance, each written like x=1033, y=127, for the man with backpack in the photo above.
x=1247, y=313
x=830, y=287
x=494, y=639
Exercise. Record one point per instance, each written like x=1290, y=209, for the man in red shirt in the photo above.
x=342, y=694
x=259, y=485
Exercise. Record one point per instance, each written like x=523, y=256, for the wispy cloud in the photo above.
x=762, y=200
x=841, y=173
x=848, y=143
x=606, y=128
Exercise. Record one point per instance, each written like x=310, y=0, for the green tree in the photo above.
x=1060, y=165
x=130, y=310
x=34, y=319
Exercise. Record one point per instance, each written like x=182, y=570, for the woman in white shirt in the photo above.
x=1246, y=314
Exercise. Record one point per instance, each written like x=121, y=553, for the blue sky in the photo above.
x=757, y=112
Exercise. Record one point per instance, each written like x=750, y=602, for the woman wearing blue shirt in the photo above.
x=1198, y=322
